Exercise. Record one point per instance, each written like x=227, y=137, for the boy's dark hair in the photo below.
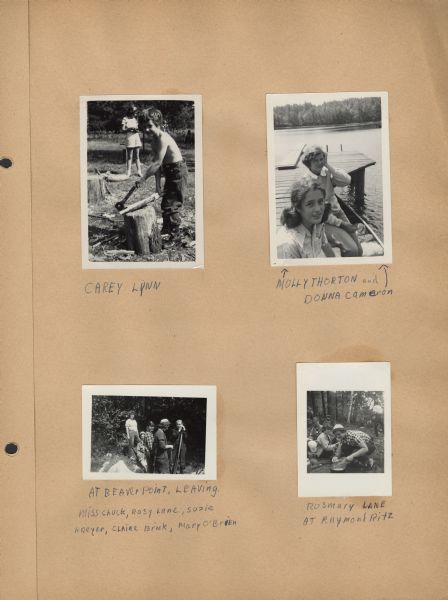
x=155, y=115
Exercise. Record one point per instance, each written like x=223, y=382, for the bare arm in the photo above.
x=338, y=450
x=159, y=155
x=362, y=450
x=326, y=247
x=340, y=177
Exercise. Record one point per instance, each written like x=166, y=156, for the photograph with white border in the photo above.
x=149, y=432
x=329, y=178
x=344, y=429
x=141, y=182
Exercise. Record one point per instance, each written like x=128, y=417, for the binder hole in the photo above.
x=11, y=448
x=6, y=163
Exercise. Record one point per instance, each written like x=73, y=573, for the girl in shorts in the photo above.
x=129, y=125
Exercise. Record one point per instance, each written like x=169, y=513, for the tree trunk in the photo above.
x=325, y=403
x=350, y=407
x=339, y=408
x=142, y=233
x=332, y=406
x=96, y=190
x=319, y=404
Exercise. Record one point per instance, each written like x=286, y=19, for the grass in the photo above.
x=105, y=153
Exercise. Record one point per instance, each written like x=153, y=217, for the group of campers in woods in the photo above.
x=167, y=161
x=315, y=225
x=344, y=447
x=158, y=449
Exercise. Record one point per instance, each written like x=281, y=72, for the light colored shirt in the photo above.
x=128, y=123
x=298, y=242
x=323, y=440
x=131, y=425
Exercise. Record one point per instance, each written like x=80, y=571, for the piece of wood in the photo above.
x=96, y=189
x=139, y=204
x=350, y=161
x=358, y=182
x=142, y=233
x=116, y=252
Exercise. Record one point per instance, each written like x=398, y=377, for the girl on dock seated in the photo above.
x=302, y=234
x=313, y=163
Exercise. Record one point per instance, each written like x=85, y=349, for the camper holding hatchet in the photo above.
x=166, y=154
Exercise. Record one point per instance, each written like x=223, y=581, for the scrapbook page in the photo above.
x=223, y=316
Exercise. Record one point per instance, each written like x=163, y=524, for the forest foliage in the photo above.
x=106, y=115
x=109, y=415
x=335, y=112
x=351, y=408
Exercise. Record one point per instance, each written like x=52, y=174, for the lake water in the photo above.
x=366, y=140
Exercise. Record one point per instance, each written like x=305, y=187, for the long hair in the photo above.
x=290, y=217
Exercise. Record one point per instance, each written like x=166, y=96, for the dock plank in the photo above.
x=350, y=161
x=286, y=172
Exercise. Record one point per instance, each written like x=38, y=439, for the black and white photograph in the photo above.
x=329, y=181
x=141, y=182
x=344, y=429
x=149, y=432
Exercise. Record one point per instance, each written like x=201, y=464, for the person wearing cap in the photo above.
x=161, y=447
x=341, y=233
x=132, y=433
x=353, y=444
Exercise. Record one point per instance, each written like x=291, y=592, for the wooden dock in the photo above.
x=354, y=163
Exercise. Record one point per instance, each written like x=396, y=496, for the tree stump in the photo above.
x=96, y=189
x=142, y=233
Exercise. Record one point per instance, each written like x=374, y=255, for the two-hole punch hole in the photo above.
x=11, y=448
x=5, y=163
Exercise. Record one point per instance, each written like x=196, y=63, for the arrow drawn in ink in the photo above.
x=284, y=271
x=385, y=269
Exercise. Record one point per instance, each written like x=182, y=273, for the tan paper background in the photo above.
x=226, y=325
